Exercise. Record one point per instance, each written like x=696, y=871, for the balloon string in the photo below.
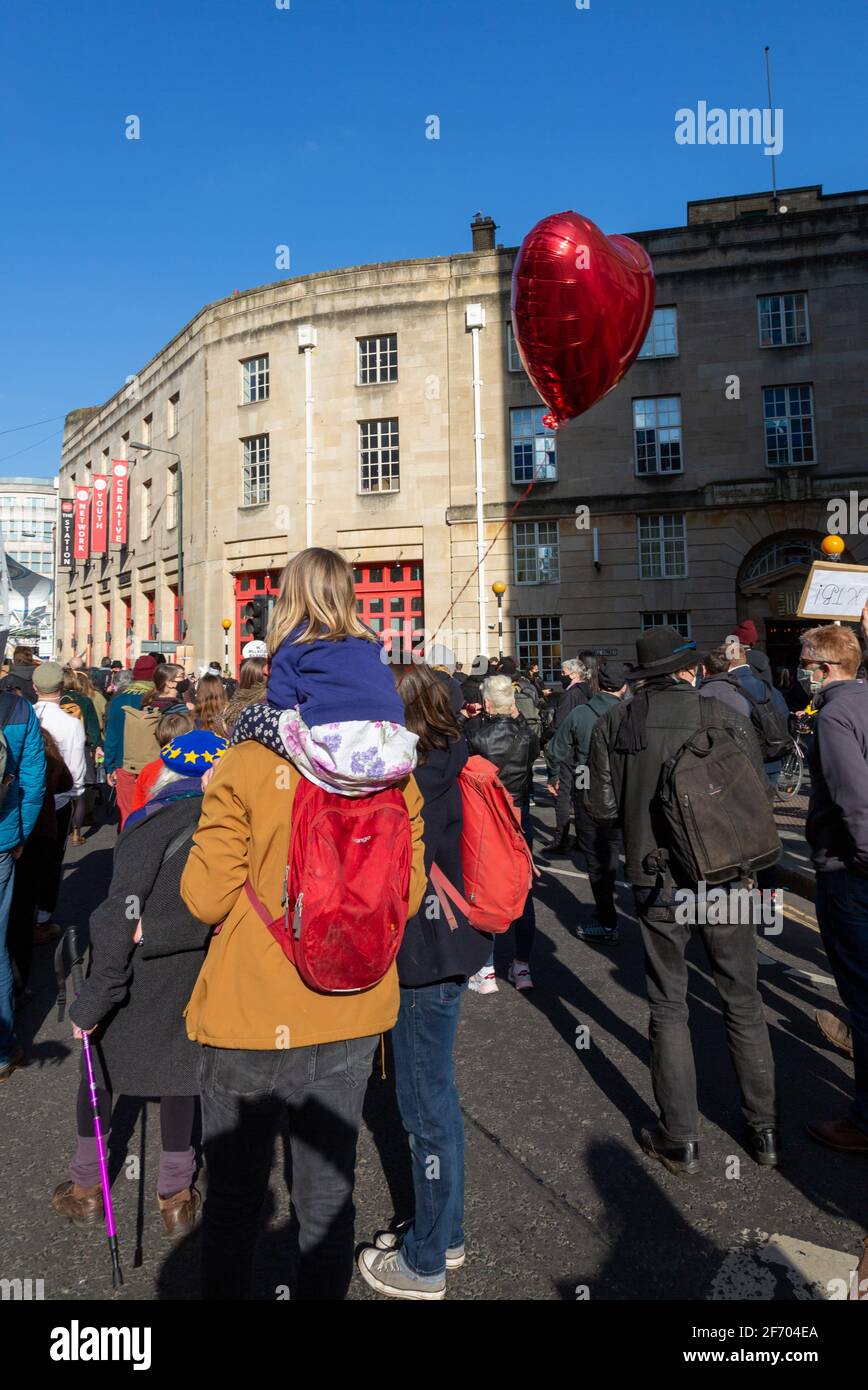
x=496, y=537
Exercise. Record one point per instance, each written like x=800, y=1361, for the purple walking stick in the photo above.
x=68, y=961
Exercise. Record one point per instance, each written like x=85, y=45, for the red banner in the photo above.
x=119, y=497
x=99, y=515
x=80, y=550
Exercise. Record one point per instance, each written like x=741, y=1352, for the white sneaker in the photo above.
x=519, y=975
x=484, y=981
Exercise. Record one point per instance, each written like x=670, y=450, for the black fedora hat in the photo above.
x=660, y=651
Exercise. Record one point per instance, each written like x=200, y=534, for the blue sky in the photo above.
x=306, y=127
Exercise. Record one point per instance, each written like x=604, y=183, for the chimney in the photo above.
x=483, y=229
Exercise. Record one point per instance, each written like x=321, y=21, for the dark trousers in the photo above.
x=49, y=887
x=601, y=847
x=423, y=1040
x=177, y=1159
x=525, y=925
x=732, y=955
x=564, y=800
x=842, y=916
x=29, y=873
x=321, y=1089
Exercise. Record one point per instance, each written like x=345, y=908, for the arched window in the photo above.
x=780, y=554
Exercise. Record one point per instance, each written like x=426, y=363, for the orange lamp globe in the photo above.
x=226, y=623
x=832, y=545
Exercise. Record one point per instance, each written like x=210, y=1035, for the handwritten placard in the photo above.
x=834, y=591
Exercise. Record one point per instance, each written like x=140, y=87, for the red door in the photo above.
x=389, y=599
x=262, y=584
x=127, y=612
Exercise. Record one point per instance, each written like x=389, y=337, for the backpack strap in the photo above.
x=178, y=843
x=446, y=890
x=258, y=906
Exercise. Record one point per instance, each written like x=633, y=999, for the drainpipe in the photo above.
x=306, y=343
x=475, y=320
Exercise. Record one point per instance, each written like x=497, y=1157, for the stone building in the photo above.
x=706, y=473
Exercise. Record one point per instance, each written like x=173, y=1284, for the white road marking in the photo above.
x=752, y=1271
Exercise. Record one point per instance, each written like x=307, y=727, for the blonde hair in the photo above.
x=836, y=646
x=316, y=589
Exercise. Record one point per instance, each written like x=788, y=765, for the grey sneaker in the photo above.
x=388, y=1273
x=391, y=1240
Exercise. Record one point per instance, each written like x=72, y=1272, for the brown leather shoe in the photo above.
x=841, y=1135
x=81, y=1205
x=15, y=1061
x=835, y=1031
x=180, y=1211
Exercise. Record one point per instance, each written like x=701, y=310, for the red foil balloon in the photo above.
x=581, y=306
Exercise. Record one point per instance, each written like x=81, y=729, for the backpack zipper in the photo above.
x=284, y=901
x=296, y=921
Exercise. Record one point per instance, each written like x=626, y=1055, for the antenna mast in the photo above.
x=771, y=111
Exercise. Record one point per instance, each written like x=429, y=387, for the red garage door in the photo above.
x=389, y=599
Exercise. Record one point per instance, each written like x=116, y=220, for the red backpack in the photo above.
x=497, y=865
x=346, y=888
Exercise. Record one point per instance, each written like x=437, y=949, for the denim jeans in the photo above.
x=7, y=987
x=321, y=1089
x=732, y=954
x=422, y=1043
x=842, y=916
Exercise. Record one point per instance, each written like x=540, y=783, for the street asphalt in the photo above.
x=561, y=1203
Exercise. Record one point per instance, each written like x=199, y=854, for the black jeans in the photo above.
x=321, y=1088
x=53, y=866
x=563, y=801
x=732, y=955
x=601, y=847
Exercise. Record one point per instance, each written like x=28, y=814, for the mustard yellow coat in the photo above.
x=248, y=995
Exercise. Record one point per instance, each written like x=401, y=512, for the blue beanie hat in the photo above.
x=194, y=753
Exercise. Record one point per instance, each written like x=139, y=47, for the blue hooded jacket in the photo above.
x=25, y=763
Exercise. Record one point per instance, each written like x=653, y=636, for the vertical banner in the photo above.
x=119, y=500
x=99, y=515
x=80, y=549
x=67, y=510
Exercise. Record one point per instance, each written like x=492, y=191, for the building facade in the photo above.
x=383, y=409
x=28, y=527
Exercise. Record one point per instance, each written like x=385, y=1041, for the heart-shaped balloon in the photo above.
x=581, y=306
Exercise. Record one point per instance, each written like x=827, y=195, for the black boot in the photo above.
x=681, y=1159
x=764, y=1147
x=560, y=844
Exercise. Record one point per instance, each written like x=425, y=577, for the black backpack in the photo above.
x=716, y=809
x=771, y=725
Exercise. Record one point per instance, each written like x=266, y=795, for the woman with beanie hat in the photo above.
x=143, y=968
x=756, y=660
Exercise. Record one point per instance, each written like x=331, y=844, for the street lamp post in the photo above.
x=226, y=623
x=150, y=449
x=498, y=588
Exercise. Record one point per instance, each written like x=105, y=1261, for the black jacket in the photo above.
x=837, y=824
x=139, y=993
x=574, y=695
x=760, y=665
x=431, y=951
x=20, y=679
x=622, y=787
x=510, y=744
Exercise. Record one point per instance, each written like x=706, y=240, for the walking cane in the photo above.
x=68, y=961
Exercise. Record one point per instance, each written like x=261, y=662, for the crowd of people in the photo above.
x=302, y=863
